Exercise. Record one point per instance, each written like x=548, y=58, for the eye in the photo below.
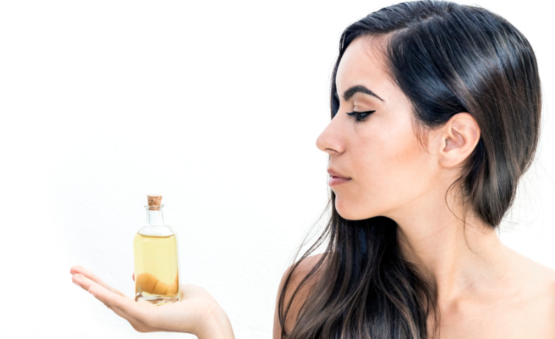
x=360, y=116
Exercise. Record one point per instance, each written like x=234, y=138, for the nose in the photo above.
x=330, y=140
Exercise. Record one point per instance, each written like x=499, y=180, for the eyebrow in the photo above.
x=359, y=88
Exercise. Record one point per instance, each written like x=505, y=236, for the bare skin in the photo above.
x=302, y=271
x=485, y=289
x=197, y=313
x=523, y=309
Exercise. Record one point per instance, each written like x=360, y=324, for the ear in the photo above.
x=457, y=139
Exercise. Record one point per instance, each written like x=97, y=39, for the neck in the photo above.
x=459, y=258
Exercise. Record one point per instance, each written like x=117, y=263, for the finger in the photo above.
x=81, y=270
x=139, y=314
x=112, y=303
x=86, y=283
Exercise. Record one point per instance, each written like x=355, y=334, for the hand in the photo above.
x=197, y=313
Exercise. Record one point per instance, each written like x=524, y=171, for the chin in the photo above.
x=355, y=210
x=350, y=211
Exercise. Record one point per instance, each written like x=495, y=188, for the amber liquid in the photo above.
x=156, y=269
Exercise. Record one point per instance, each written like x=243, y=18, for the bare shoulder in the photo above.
x=538, y=295
x=543, y=280
x=305, y=266
x=539, y=276
x=299, y=273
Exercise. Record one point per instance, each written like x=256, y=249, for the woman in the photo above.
x=435, y=116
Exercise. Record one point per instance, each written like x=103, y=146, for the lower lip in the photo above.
x=336, y=181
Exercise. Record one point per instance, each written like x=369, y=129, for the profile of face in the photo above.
x=388, y=171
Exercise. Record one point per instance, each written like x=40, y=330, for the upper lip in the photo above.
x=334, y=173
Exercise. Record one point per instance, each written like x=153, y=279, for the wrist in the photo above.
x=216, y=326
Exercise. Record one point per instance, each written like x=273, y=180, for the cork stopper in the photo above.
x=154, y=202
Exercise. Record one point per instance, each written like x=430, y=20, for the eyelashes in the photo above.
x=360, y=116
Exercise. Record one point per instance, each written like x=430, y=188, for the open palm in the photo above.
x=193, y=314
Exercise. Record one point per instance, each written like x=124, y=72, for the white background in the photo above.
x=214, y=104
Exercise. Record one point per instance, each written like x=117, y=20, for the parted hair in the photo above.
x=446, y=58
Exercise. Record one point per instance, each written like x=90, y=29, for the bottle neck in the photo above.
x=154, y=217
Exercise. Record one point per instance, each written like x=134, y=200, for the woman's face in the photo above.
x=386, y=168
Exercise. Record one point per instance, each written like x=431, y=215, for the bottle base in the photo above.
x=157, y=300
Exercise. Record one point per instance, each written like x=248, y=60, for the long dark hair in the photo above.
x=446, y=58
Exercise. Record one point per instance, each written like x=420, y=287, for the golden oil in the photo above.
x=156, y=259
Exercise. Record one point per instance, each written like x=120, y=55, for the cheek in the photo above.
x=389, y=167
x=385, y=156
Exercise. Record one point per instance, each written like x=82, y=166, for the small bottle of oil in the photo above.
x=156, y=258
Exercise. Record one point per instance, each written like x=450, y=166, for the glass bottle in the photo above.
x=156, y=258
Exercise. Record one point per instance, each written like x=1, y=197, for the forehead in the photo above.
x=363, y=63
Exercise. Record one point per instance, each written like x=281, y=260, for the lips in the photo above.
x=336, y=178
x=336, y=174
